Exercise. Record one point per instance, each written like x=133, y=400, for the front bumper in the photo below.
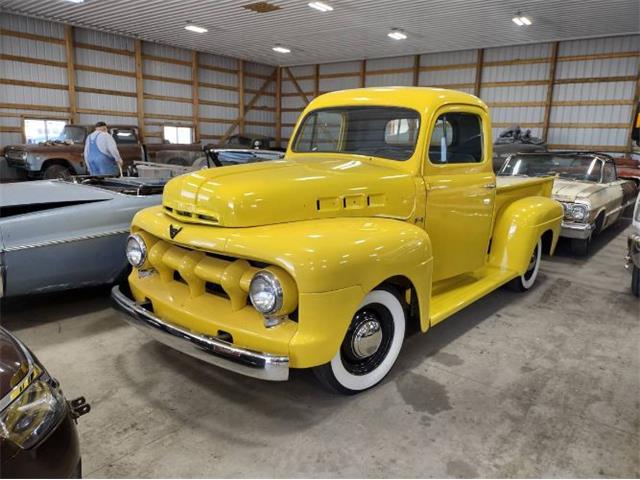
x=16, y=162
x=210, y=349
x=576, y=230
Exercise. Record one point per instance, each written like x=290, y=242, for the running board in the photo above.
x=451, y=296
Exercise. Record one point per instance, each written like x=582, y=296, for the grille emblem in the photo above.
x=173, y=231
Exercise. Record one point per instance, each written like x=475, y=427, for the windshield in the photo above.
x=72, y=133
x=386, y=132
x=570, y=167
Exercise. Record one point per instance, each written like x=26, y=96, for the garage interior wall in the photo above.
x=125, y=81
x=576, y=94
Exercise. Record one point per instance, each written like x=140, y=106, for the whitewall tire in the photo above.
x=525, y=281
x=370, y=347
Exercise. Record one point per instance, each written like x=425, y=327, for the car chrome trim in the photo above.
x=32, y=374
x=212, y=350
x=67, y=240
x=576, y=230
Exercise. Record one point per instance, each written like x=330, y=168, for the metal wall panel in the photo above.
x=518, y=52
x=515, y=73
x=305, y=85
x=448, y=58
x=33, y=96
x=529, y=93
x=628, y=43
x=217, y=61
x=20, y=23
x=588, y=136
x=303, y=70
x=109, y=119
x=290, y=117
x=389, y=80
x=166, y=51
x=217, y=95
x=341, y=83
x=103, y=39
x=390, y=62
x=163, y=107
x=32, y=48
x=97, y=101
x=447, y=77
x=30, y=71
x=594, y=91
x=92, y=58
x=597, y=68
x=105, y=81
x=340, y=67
x=221, y=78
x=213, y=111
x=162, y=69
x=156, y=87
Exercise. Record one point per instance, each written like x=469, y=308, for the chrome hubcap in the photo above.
x=367, y=338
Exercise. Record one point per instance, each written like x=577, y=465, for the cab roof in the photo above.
x=416, y=98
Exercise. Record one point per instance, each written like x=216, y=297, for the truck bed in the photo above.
x=511, y=188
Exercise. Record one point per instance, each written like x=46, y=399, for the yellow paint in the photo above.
x=335, y=226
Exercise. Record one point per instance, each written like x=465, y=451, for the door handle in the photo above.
x=490, y=185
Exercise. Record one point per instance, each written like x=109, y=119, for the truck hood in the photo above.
x=41, y=148
x=287, y=191
x=570, y=191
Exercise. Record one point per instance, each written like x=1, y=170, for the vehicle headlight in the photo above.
x=37, y=410
x=265, y=292
x=136, y=250
x=576, y=211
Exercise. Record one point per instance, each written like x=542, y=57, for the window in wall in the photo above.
x=40, y=130
x=456, y=138
x=124, y=135
x=178, y=134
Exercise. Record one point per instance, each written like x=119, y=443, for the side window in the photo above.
x=608, y=173
x=321, y=132
x=124, y=136
x=456, y=138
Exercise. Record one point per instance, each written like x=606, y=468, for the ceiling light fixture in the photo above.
x=75, y=1
x=520, y=20
x=397, y=34
x=281, y=49
x=195, y=28
x=323, y=7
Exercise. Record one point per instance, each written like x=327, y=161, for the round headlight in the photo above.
x=265, y=292
x=580, y=212
x=136, y=250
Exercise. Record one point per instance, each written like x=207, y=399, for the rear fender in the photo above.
x=519, y=227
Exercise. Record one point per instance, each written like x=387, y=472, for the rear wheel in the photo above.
x=635, y=281
x=370, y=347
x=56, y=170
x=525, y=281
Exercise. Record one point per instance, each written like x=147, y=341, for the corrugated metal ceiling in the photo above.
x=355, y=29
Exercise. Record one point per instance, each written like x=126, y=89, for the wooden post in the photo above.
x=195, y=97
x=416, y=70
x=634, y=112
x=139, y=88
x=296, y=85
x=279, y=107
x=316, y=80
x=71, y=73
x=477, y=86
x=241, y=125
x=548, y=103
x=363, y=73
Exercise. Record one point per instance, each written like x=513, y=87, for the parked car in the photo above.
x=323, y=260
x=514, y=140
x=220, y=157
x=38, y=436
x=65, y=156
x=259, y=142
x=633, y=255
x=71, y=232
x=586, y=184
x=629, y=168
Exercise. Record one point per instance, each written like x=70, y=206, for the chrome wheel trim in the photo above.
x=367, y=337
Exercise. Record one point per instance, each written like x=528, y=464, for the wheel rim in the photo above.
x=368, y=339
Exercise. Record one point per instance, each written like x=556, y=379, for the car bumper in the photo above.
x=213, y=350
x=16, y=162
x=576, y=230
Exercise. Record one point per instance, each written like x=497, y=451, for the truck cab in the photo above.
x=384, y=216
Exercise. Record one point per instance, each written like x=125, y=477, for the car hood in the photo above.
x=570, y=190
x=14, y=363
x=286, y=191
x=49, y=191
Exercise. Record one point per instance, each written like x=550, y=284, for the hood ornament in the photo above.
x=173, y=231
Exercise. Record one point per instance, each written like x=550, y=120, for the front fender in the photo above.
x=518, y=228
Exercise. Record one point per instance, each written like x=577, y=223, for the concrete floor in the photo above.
x=543, y=384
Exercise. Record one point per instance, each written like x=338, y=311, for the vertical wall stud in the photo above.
x=139, y=88
x=241, y=125
x=195, y=96
x=71, y=73
x=416, y=70
x=279, y=106
x=634, y=112
x=548, y=104
x=316, y=80
x=479, y=63
x=363, y=73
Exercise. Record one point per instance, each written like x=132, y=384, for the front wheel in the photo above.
x=635, y=281
x=370, y=347
x=525, y=281
x=55, y=171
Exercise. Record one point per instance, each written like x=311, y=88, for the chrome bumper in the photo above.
x=212, y=350
x=576, y=230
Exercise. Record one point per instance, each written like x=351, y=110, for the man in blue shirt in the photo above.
x=101, y=152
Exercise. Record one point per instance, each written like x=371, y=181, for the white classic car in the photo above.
x=586, y=184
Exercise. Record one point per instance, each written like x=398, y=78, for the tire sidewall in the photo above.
x=358, y=383
x=635, y=281
x=525, y=283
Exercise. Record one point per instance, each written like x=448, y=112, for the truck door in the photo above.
x=460, y=189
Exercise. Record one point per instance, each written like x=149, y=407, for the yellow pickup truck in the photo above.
x=384, y=217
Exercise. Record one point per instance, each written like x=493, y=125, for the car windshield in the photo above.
x=570, y=167
x=386, y=132
x=72, y=133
